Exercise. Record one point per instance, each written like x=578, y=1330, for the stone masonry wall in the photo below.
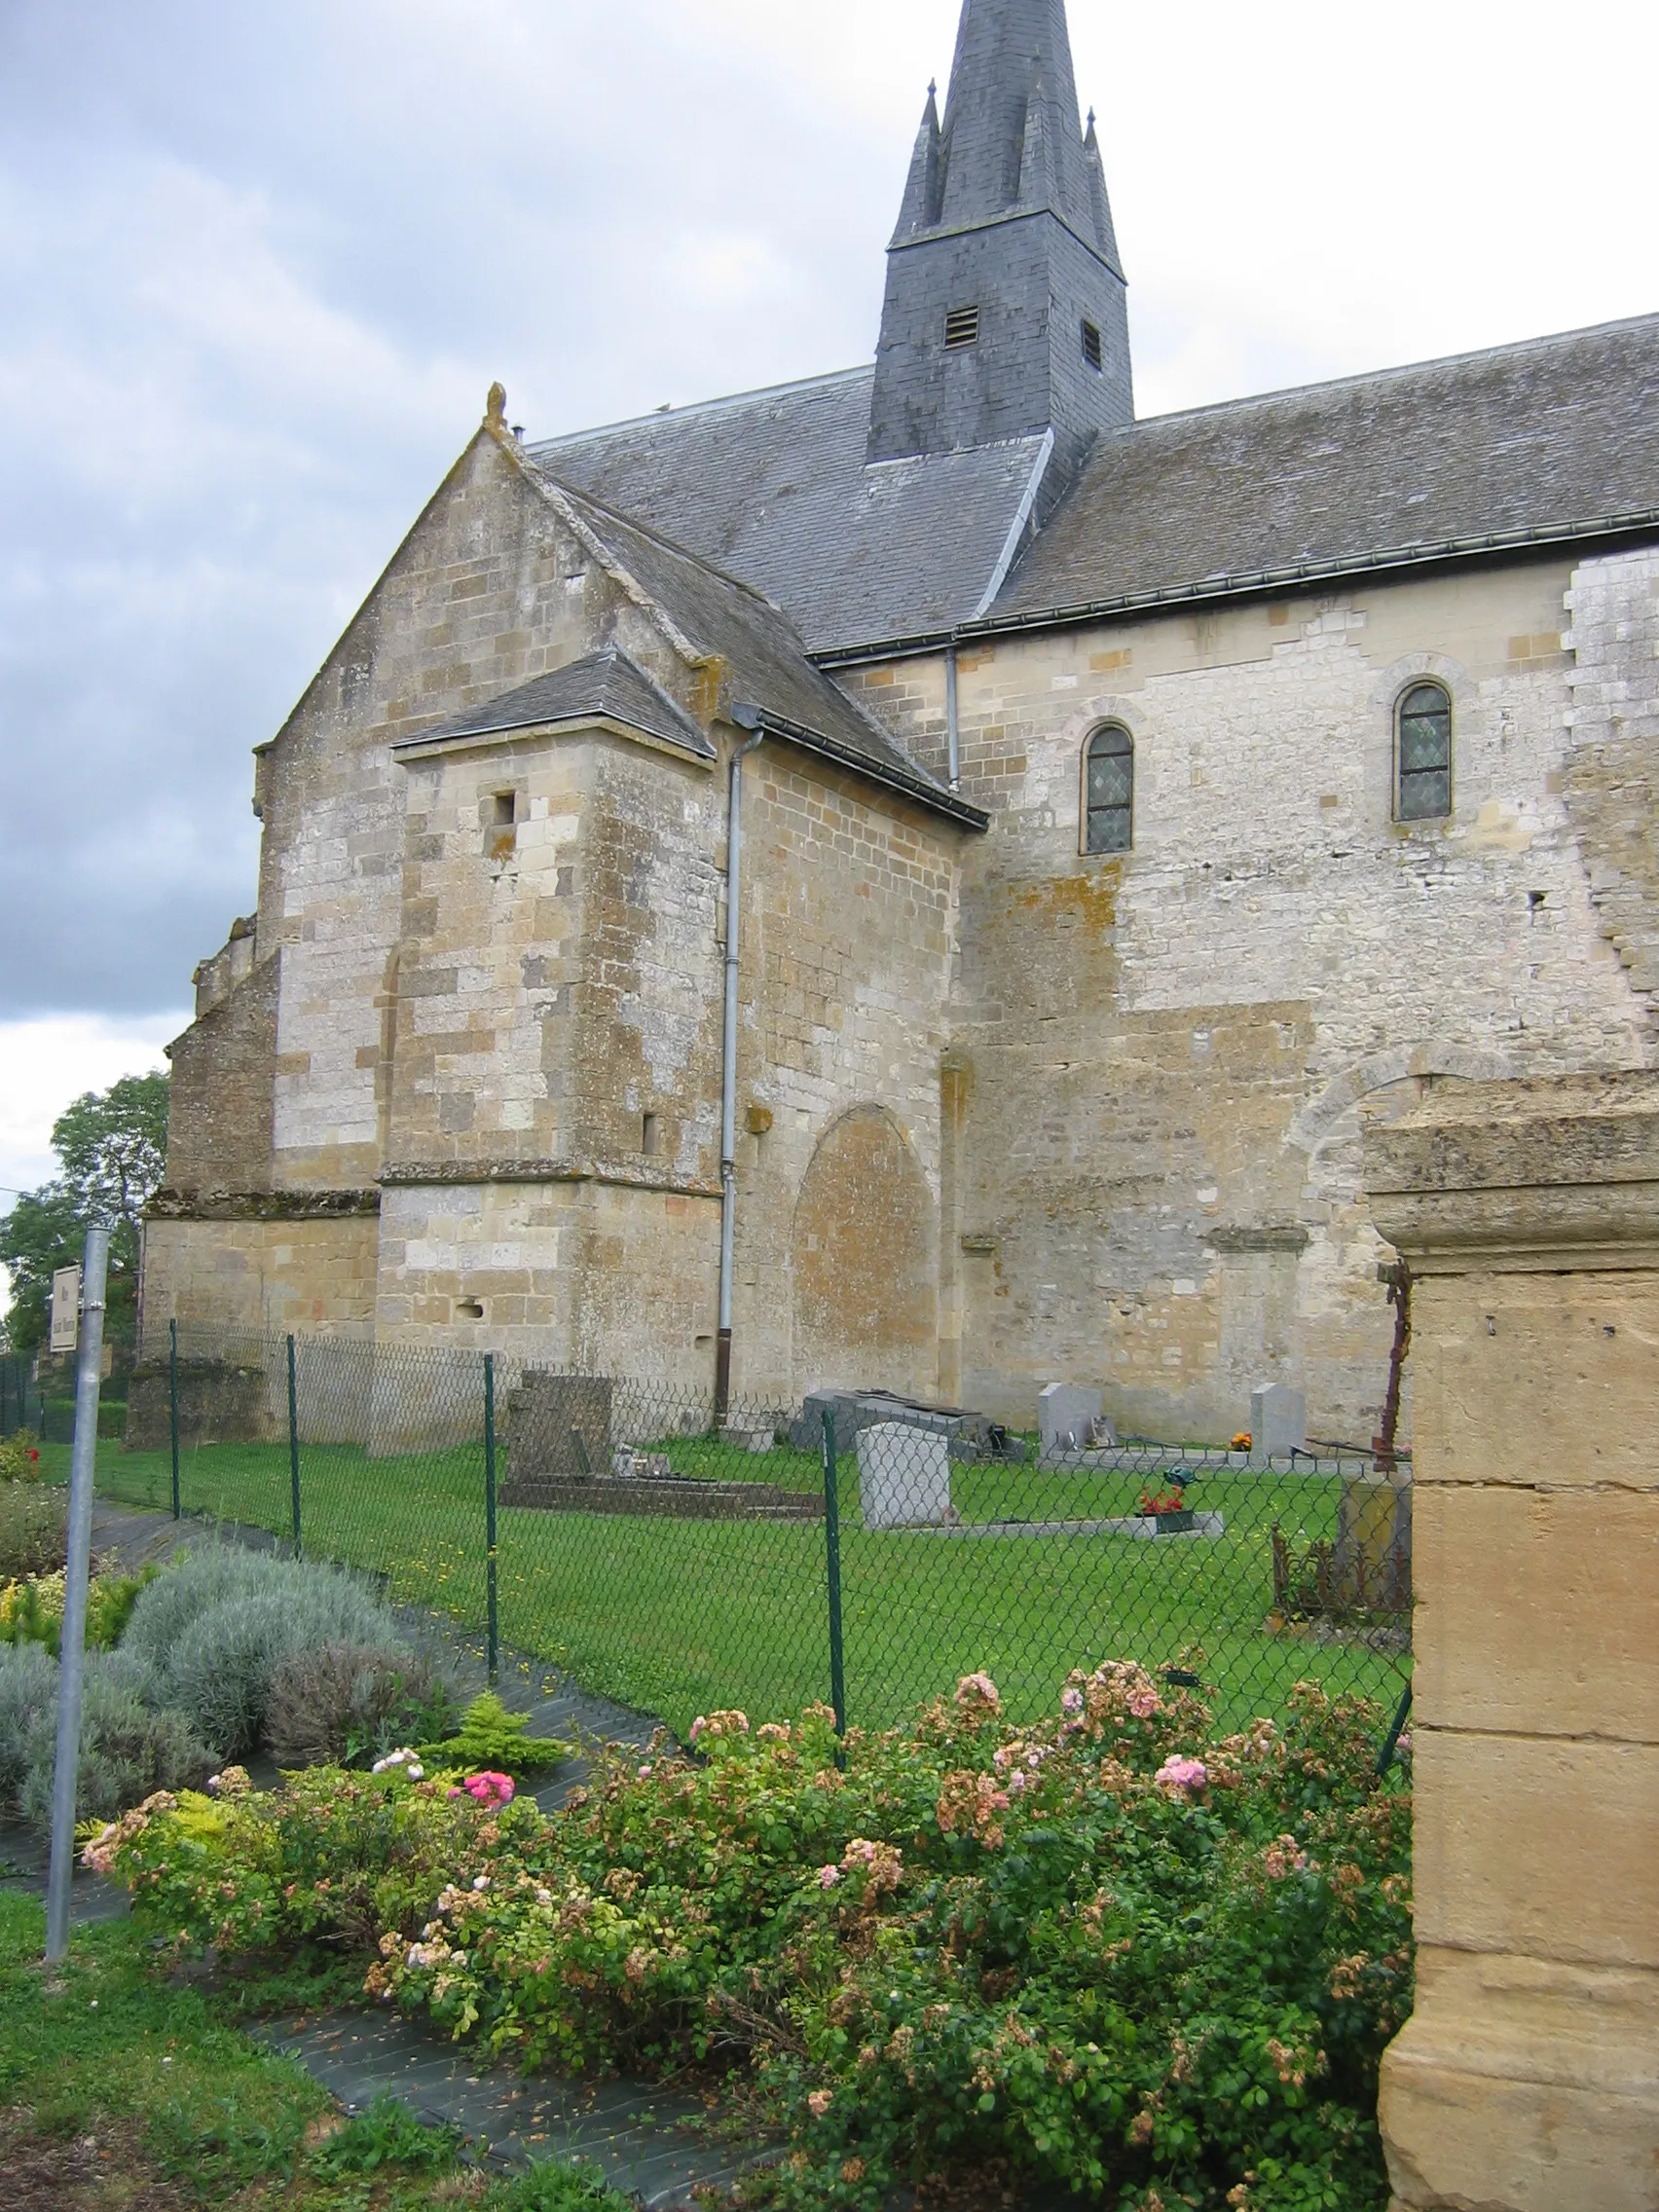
x=1611, y=786
x=1156, y=1058
x=241, y=1273
x=846, y=940
x=488, y=590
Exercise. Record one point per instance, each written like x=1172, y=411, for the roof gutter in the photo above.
x=1249, y=584
x=892, y=778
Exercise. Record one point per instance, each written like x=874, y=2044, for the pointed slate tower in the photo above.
x=1005, y=310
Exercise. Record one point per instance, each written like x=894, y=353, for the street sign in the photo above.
x=66, y=1308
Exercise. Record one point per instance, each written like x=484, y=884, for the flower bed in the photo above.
x=1111, y=1951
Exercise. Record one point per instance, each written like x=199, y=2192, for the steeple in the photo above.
x=1004, y=309
x=925, y=184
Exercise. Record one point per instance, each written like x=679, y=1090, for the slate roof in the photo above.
x=606, y=683
x=1550, y=439
x=772, y=485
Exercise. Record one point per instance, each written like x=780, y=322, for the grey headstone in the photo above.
x=1065, y=1419
x=903, y=1477
x=1278, y=1422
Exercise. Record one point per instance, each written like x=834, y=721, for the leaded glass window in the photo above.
x=1425, y=751
x=1109, y=800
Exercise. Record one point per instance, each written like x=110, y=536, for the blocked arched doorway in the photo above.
x=866, y=1311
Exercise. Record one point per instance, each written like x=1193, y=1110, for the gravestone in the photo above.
x=1278, y=1422
x=1065, y=1420
x=558, y=1426
x=903, y=1477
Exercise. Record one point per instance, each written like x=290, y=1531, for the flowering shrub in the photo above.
x=20, y=1457
x=1112, y=1951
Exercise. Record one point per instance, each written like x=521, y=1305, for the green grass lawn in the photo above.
x=681, y=1616
x=122, y=2090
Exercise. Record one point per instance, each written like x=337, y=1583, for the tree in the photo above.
x=112, y=1146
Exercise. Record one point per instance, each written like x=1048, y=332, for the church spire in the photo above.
x=920, y=210
x=1005, y=313
x=1105, y=238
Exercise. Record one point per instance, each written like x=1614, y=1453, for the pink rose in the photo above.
x=1182, y=1774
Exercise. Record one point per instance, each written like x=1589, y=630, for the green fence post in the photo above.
x=832, y=1560
x=172, y=1402
x=494, y=1643
x=1391, y=1742
x=294, y=1445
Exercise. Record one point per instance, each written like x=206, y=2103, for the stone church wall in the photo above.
x=1160, y=1059
x=847, y=929
x=487, y=592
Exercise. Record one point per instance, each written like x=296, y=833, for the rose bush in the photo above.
x=1112, y=1951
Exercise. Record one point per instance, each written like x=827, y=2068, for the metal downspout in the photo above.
x=746, y=718
x=953, y=732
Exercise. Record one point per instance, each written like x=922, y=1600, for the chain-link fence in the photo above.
x=856, y=1549
x=20, y=1395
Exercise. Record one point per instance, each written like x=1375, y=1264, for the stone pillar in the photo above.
x=1527, y=2079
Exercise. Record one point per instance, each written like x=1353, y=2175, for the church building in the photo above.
x=914, y=878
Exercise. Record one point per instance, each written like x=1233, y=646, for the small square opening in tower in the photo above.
x=502, y=803
x=1092, y=343
x=648, y=1135
x=961, y=328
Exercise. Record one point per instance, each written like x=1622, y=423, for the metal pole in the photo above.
x=72, y=1648
x=172, y=1390
x=746, y=718
x=294, y=1443
x=494, y=1646
x=833, y=1554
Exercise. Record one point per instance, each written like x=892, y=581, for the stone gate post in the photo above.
x=1527, y=2079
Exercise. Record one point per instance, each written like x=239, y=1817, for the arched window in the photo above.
x=1422, y=753
x=1108, y=790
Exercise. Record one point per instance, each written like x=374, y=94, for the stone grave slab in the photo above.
x=903, y=1477
x=1278, y=1422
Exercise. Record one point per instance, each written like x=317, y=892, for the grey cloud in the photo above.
x=261, y=265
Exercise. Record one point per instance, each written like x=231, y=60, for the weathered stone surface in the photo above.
x=903, y=1477
x=1537, y=1610
x=1480, y=1415
x=1537, y=1844
x=1278, y=1422
x=1066, y=1414
x=656, y=1498
x=557, y=1426
x=1527, y=2079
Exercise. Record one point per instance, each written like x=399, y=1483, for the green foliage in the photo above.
x=491, y=1739
x=345, y=1703
x=112, y=1147
x=33, y=1529
x=1113, y=1952
x=551, y=2186
x=387, y=2133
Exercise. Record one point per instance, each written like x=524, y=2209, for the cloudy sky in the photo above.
x=261, y=258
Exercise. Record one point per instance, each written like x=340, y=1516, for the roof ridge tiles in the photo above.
x=1397, y=369
x=661, y=414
